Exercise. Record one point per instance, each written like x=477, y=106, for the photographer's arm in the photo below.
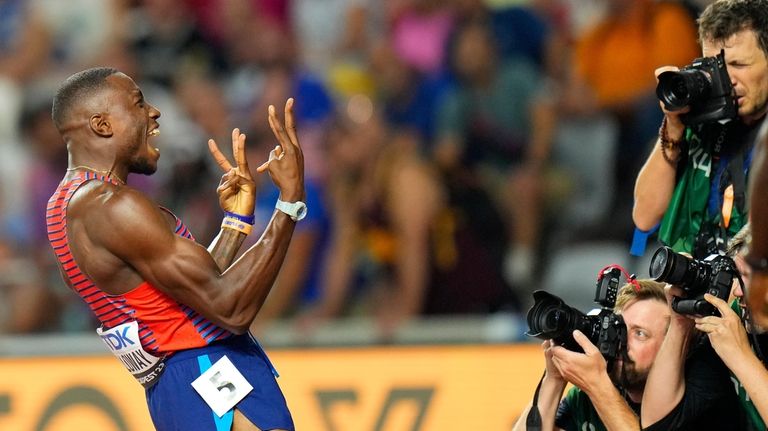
x=552, y=387
x=729, y=339
x=665, y=385
x=753, y=376
x=588, y=372
x=656, y=181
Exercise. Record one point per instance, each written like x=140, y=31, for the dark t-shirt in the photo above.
x=576, y=412
x=709, y=402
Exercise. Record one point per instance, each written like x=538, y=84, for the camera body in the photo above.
x=705, y=86
x=713, y=275
x=550, y=318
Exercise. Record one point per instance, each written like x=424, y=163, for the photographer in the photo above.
x=603, y=400
x=694, y=181
x=699, y=391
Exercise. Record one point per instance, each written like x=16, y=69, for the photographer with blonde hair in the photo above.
x=603, y=399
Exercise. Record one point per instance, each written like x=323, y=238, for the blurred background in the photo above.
x=460, y=154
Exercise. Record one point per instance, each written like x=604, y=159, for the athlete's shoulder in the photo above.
x=117, y=216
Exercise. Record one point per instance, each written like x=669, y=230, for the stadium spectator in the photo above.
x=494, y=132
x=612, y=74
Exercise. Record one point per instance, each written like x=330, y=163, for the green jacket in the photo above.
x=687, y=214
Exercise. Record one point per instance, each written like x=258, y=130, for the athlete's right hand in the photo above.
x=237, y=190
x=286, y=161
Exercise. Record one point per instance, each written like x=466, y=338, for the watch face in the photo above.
x=301, y=211
x=296, y=210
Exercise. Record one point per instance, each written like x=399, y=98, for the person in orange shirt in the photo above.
x=616, y=58
x=612, y=73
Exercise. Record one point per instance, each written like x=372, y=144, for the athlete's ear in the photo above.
x=100, y=125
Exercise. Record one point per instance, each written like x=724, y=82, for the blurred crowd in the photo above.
x=452, y=146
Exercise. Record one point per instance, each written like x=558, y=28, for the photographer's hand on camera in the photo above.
x=726, y=333
x=553, y=373
x=683, y=322
x=729, y=339
x=586, y=370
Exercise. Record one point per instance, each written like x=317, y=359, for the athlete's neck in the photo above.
x=107, y=172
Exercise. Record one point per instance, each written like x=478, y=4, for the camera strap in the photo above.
x=533, y=420
x=737, y=168
x=730, y=175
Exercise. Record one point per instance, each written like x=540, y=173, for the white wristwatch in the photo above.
x=297, y=210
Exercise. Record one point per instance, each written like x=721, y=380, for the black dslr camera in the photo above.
x=704, y=85
x=550, y=318
x=713, y=275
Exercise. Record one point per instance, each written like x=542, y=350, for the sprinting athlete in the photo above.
x=173, y=312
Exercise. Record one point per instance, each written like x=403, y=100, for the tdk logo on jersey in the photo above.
x=117, y=340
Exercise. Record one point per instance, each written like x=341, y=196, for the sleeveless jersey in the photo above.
x=164, y=325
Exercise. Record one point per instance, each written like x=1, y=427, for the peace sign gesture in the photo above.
x=237, y=190
x=286, y=161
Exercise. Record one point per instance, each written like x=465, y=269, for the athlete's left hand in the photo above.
x=237, y=190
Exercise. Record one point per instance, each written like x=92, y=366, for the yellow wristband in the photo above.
x=238, y=225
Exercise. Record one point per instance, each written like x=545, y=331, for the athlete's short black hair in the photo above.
x=75, y=88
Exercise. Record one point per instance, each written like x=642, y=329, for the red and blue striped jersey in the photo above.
x=165, y=325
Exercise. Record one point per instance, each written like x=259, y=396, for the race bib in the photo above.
x=222, y=386
x=123, y=341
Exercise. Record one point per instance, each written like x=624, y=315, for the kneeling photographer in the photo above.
x=696, y=390
x=619, y=345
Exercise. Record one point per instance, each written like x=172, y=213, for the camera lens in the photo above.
x=668, y=266
x=678, y=89
x=550, y=318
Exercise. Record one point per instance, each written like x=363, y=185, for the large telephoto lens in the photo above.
x=678, y=89
x=674, y=268
x=550, y=318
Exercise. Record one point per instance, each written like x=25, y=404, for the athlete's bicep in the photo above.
x=139, y=234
